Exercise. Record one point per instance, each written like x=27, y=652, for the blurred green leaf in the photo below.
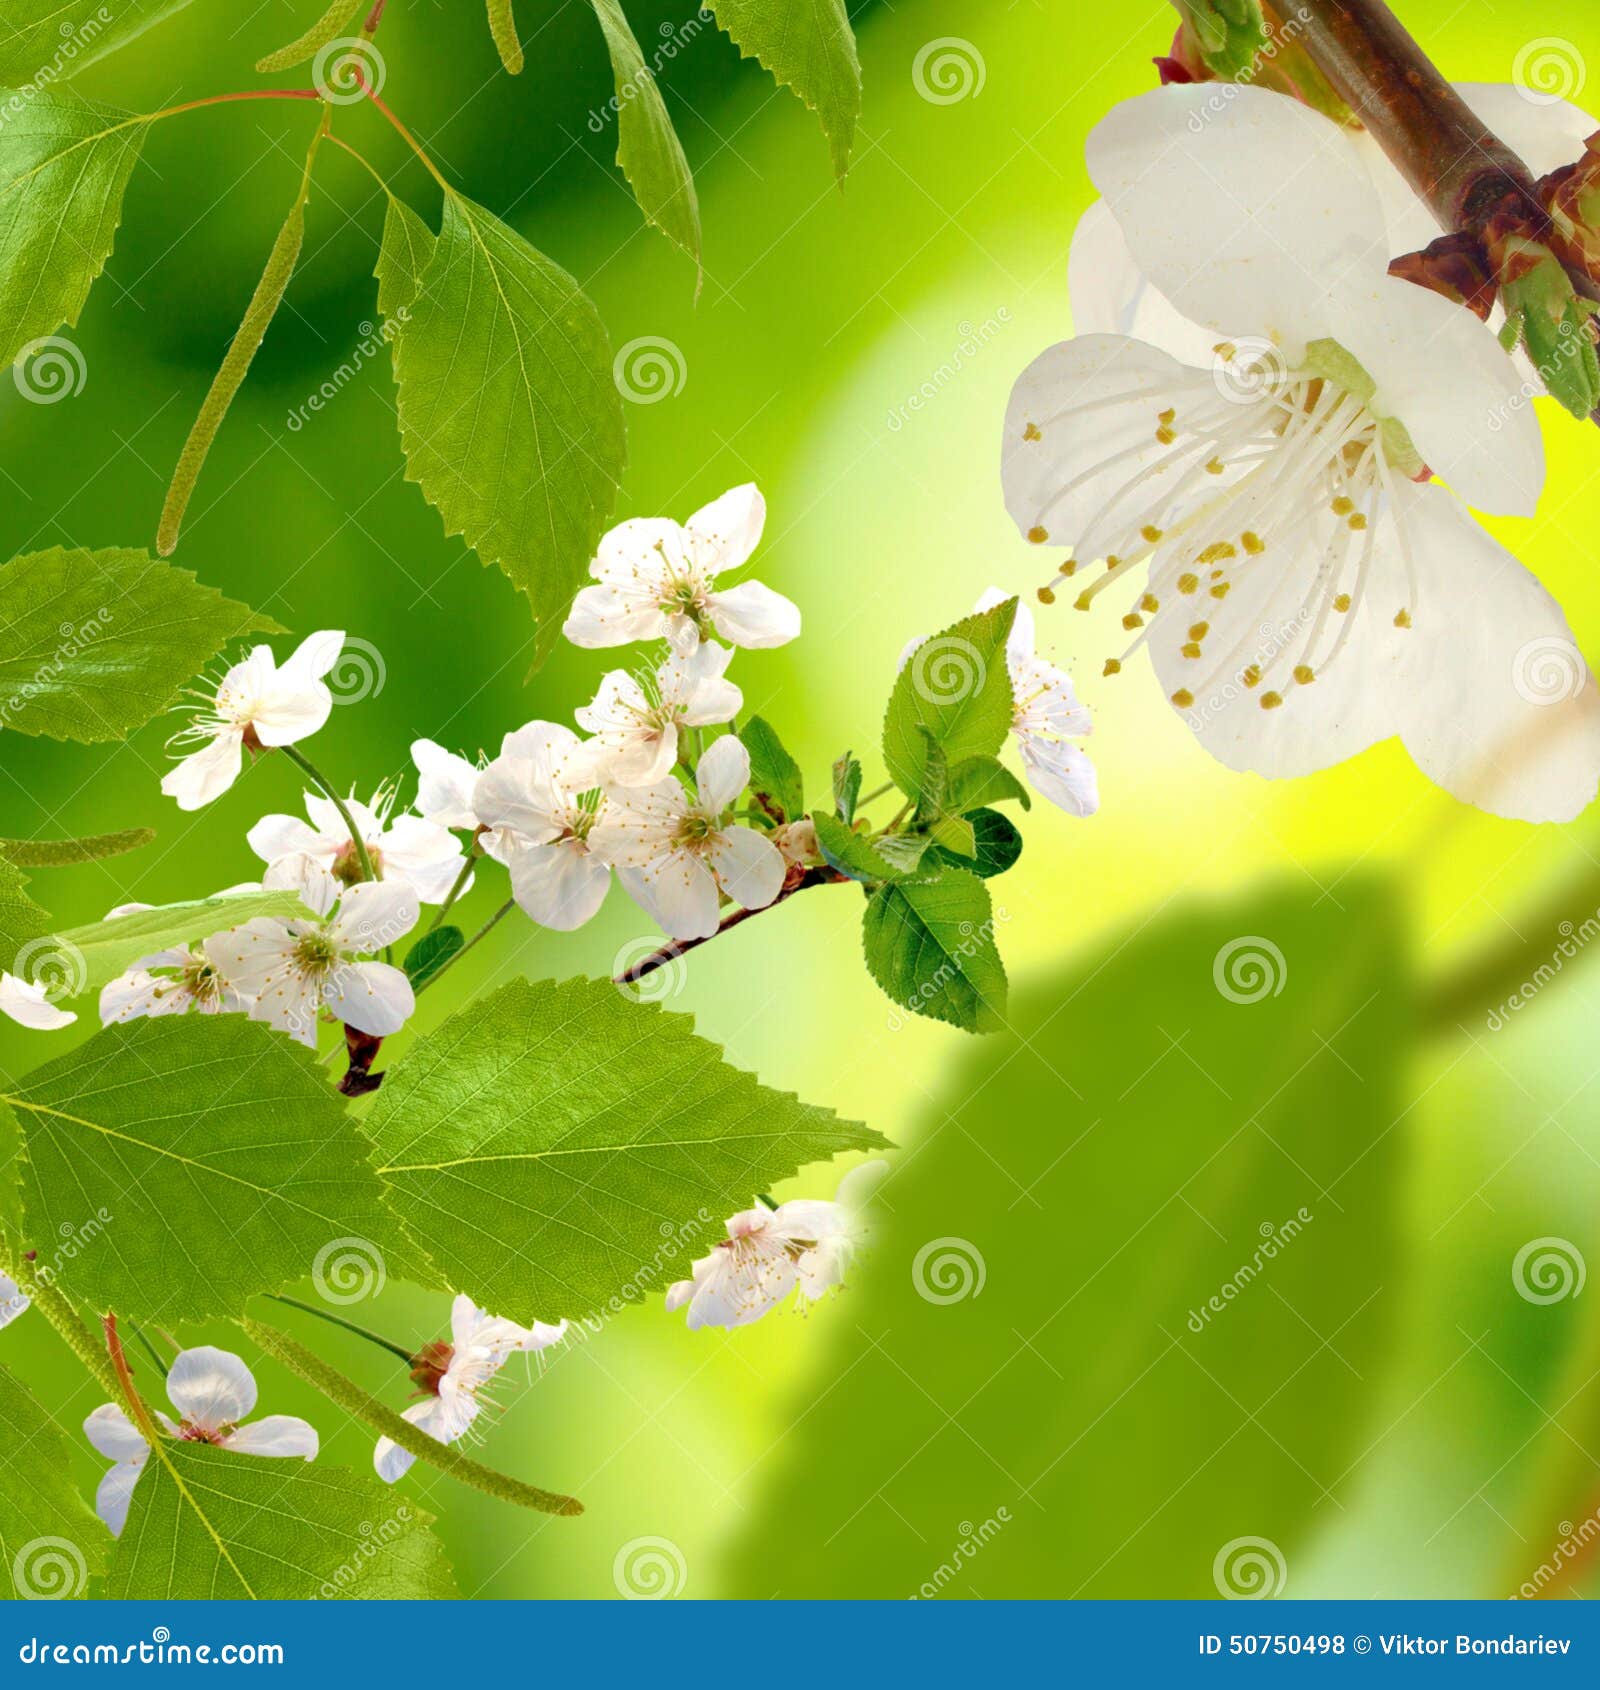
x=50, y=1541
x=60, y=39
x=21, y=919
x=930, y=946
x=545, y=1141
x=101, y=950
x=1065, y=1411
x=94, y=644
x=997, y=845
x=68, y=853
x=854, y=853
x=846, y=786
x=978, y=781
x=774, y=774
x=431, y=952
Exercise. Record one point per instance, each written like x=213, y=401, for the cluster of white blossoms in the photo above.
x=1246, y=430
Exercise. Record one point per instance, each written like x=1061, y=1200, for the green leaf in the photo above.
x=209, y=1525
x=808, y=46
x=68, y=853
x=996, y=845
x=853, y=853
x=955, y=835
x=775, y=777
x=104, y=949
x=94, y=644
x=930, y=945
x=50, y=1540
x=977, y=781
x=954, y=692
x=404, y=254
x=510, y=418
x=64, y=165
x=21, y=919
x=431, y=952
x=329, y=27
x=212, y=1151
x=648, y=148
x=1229, y=34
x=1034, y=1318
x=846, y=787
x=44, y=43
x=559, y=1150
x=902, y=851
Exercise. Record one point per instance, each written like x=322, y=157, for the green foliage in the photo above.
x=996, y=845
x=68, y=853
x=846, y=786
x=503, y=27
x=135, y=632
x=511, y=422
x=21, y=919
x=978, y=781
x=206, y=1524
x=1229, y=34
x=648, y=148
x=431, y=952
x=544, y=1142
x=852, y=853
x=105, y=949
x=1033, y=1321
x=61, y=39
x=775, y=777
x=211, y=1151
x=333, y=23
x=404, y=254
x=38, y=1501
x=930, y=945
x=808, y=46
x=64, y=166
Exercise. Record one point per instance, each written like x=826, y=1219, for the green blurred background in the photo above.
x=1382, y=1407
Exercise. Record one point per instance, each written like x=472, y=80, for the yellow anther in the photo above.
x=1402, y=619
x=1047, y=595
x=1113, y=667
x=1358, y=522
x=1188, y=583
x=1070, y=567
x=1199, y=630
x=1183, y=698
x=1082, y=602
x=1192, y=649
x=1343, y=506
x=1342, y=603
x=1304, y=674
x=1226, y=350
x=1150, y=602
x=1252, y=543
x=1168, y=417
x=1215, y=467
x=1151, y=533
x=1217, y=553
x=1038, y=535
x=1031, y=432
x=1220, y=591
x=1133, y=620
x=1252, y=676
x=1165, y=435
x=1271, y=700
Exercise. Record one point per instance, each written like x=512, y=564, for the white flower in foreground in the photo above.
x=259, y=705
x=804, y=1245
x=292, y=970
x=655, y=582
x=13, y=1301
x=213, y=1391
x=1308, y=594
x=542, y=796
x=29, y=1006
x=676, y=854
x=444, y=785
x=637, y=727
x=320, y=860
x=456, y=1377
x=170, y=982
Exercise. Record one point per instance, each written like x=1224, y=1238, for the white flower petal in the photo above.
x=211, y=1388
x=1061, y=772
x=206, y=774
x=749, y=866
x=276, y=1435
x=27, y=1005
x=753, y=616
x=1109, y=293
x=372, y=997
x=679, y=893
x=728, y=530
x=723, y=773
x=601, y=616
x=114, y=1494
x=374, y=914
x=114, y=1435
x=444, y=785
x=561, y=885
x=390, y=1460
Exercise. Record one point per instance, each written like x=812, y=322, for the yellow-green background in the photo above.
x=822, y=312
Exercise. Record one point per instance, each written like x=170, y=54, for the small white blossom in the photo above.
x=29, y=1005
x=170, y=982
x=637, y=727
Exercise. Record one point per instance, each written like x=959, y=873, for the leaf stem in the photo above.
x=325, y=787
x=483, y=933
x=142, y=1417
x=876, y=792
x=228, y=99
x=150, y=1349
x=64, y=1318
x=409, y=139
x=407, y=1356
x=455, y=891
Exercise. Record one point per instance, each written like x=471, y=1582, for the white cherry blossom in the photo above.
x=13, y=1301
x=637, y=725
x=456, y=1377
x=212, y=1391
x=259, y=705
x=657, y=581
x=290, y=971
x=170, y=982
x=29, y=1005
x=1305, y=592
x=677, y=853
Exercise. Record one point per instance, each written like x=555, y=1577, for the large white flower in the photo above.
x=29, y=1005
x=656, y=582
x=456, y=1377
x=170, y=982
x=637, y=724
x=259, y=705
x=542, y=796
x=676, y=855
x=13, y=1301
x=292, y=970
x=213, y=1391
x=1308, y=593
x=319, y=860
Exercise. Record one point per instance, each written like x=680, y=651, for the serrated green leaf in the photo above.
x=329, y=27
x=775, y=777
x=509, y=415
x=44, y=43
x=68, y=853
x=209, y=1525
x=996, y=845
x=902, y=851
x=104, y=949
x=21, y=919
x=64, y=166
x=431, y=952
x=930, y=945
x=215, y=1154
x=809, y=46
x=978, y=781
x=545, y=1141
x=94, y=644
x=854, y=854
x=404, y=254
x=955, y=835
x=50, y=1541
x=846, y=787
x=648, y=148
x=953, y=691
